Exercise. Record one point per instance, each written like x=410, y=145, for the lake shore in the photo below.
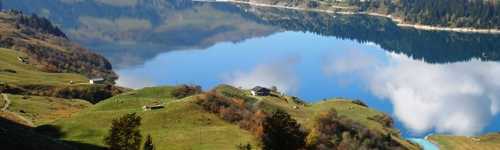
x=398, y=21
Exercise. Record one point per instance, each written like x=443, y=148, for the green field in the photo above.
x=485, y=142
x=183, y=124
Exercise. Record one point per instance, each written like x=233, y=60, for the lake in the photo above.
x=430, y=82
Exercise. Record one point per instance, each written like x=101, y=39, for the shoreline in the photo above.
x=424, y=143
x=398, y=21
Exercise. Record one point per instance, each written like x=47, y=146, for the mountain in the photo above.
x=44, y=77
x=128, y=35
x=48, y=48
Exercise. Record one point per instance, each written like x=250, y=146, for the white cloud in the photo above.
x=457, y=98
x=280, y=74
x=134, y=82
x=352, y=61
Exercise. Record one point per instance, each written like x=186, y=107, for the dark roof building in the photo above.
x=260, y=91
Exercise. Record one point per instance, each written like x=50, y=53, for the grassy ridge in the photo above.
x=41, y=110
x=485, y=142
x=183, y=124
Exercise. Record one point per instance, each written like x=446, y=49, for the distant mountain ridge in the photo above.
x=480, y=14
x=430, y=46
x=48, y=48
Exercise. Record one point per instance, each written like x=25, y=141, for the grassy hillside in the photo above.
x=27, y=79
x=183, y=124
x=47, y=48
x=485, y=142
x=40, y=110
x=25, y=74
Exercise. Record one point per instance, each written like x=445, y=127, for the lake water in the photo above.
x=430, y=82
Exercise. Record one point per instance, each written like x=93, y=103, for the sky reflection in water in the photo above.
x=458, y=98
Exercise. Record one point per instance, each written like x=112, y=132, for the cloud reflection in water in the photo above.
x=280, y=73
x=458, y=98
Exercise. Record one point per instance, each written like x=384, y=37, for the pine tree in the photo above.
x=282, y=132
x=148, y=145
x=124, y=133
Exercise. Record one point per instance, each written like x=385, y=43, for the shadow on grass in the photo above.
x=15, y=136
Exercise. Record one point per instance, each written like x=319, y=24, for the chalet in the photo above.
x=260, y=91
x=96, y=81
x=152, y=107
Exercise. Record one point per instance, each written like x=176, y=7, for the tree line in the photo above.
x=430, y=46
x=449, y=13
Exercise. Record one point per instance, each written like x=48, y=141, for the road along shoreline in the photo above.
x=398, y=21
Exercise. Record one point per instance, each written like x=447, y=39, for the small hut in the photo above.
x=152, y=107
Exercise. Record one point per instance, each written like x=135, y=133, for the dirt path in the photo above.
x=6, y=107
x=7, y=102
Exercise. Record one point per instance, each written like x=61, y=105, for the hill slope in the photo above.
x=38, y=64
x=47, y=48
x=485, y=142
x=183, y=124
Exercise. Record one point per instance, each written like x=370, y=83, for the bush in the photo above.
x=182, y=91
x=332, y=131
x=92, y=93
x=383, y=119
x=244, y=147
x=124, y=133
x=234, y=111
x=360, y=103
x=8, y=70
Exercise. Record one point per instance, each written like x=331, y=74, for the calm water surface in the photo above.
x=431, y=82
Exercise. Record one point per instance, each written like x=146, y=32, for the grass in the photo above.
x=41, y=110
x=26, y=74
x=485, y=142
x=182, y=124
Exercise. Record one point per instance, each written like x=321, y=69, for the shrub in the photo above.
x=148, y=145
x=234, y=111
x=254, y=123
x=332, y=131
x=8, y=70
x=124, y=133
x=383, y=119
x=93, y=93
x=244, y=147
x=182, y=91
x=360, y=103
